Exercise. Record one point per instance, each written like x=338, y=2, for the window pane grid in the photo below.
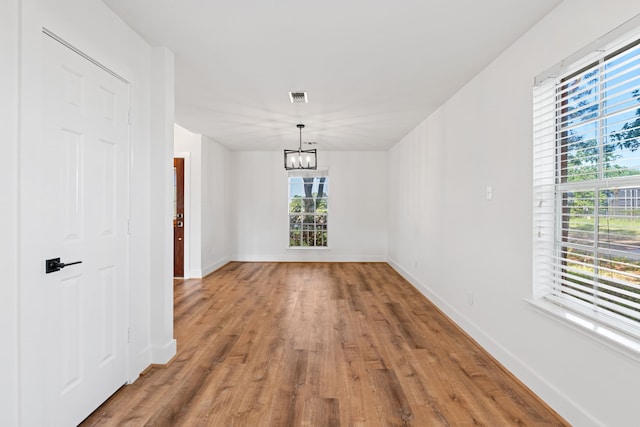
x=599, y=246
x=308, y=211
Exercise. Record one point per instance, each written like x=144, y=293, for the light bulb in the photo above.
x=308, y=161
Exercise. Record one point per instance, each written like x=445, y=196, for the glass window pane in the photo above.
x=622, y=143
x=579, y=98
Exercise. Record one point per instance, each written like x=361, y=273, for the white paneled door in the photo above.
x=83, y=217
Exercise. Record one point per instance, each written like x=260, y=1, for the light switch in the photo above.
x=489, y=192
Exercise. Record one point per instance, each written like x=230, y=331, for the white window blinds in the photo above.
x=587, y=187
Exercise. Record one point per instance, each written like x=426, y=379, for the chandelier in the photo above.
x=300, y=159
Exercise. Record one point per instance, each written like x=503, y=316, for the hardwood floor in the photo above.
x=319, y=344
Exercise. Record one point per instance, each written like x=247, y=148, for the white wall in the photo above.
x=163, y=346
x=91, y=27
x=215, y=206
x=357, y=217
x=207, y=197
x=9, y=212
x=448, y=240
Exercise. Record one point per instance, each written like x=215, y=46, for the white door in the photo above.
x=84, y=209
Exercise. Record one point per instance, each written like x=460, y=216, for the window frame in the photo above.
x=612, y=331
x=316, y=174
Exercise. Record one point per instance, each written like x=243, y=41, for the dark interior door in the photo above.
x=178, y=217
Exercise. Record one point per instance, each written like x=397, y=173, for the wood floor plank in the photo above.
x=319, y=344
x=320, y=412
x=393, y=406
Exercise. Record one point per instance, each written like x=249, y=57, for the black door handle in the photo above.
x=54, y=264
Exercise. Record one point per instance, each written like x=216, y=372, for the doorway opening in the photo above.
x=178, y=217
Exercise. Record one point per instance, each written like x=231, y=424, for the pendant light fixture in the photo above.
x=300, y=159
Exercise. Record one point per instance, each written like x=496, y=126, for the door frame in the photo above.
x=187, y=211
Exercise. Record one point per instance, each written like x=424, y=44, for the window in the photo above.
x=587, y=188
x=308, y=207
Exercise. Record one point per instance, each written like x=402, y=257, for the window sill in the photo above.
x=309, y=248
x=620, y=342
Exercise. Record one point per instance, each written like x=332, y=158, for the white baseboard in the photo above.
x=199, y=274
x=162, y=355
x=213, y=267
x=309, y=255
x=194, y=274
x=573, y=412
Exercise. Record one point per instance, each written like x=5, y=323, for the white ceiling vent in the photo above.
x=298, y=97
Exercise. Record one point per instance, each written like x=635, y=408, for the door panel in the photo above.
x=70, y=149
x=108, y=315
x=107, y=187
x=71, y=328
x=83, y=192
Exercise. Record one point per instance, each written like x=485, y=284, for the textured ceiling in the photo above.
x=373, y=69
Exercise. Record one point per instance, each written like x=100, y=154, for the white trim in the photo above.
x=308, y=248
x=214, y=266
x=85, y=56
x=193, y=274
x=308, y=173
x=162, y=355
x=308, y=256
x=587, y=53
x=10, y=245
x=596, y=331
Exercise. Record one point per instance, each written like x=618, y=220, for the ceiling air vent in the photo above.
x=298, y=97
